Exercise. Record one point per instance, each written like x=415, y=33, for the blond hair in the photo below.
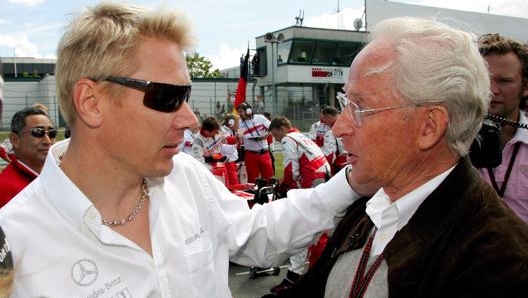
x=103, y=40
x=437, y=63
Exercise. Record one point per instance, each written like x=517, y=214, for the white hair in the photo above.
x=437, y=63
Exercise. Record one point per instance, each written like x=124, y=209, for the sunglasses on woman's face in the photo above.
x=40, y=132
x=161, y=97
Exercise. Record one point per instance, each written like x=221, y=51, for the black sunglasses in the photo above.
x=161, y=97
x=39, y=132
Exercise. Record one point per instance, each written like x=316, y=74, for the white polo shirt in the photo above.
x=61, y=249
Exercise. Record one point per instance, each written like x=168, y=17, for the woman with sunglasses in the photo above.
x=32, y=134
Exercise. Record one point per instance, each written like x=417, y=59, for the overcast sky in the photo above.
x=32, y=28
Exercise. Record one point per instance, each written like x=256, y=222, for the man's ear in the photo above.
x=14, y=139
x=434, y=127
x=86, y=98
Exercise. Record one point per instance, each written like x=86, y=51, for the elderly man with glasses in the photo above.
x=32, y=135
x=414, y=101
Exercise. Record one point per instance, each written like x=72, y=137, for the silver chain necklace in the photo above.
x=131, y=216
x=145, y=195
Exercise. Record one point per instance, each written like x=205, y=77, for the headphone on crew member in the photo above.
x=247, y=109
x=229, y=121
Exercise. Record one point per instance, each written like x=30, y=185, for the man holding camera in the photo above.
x=507, y=62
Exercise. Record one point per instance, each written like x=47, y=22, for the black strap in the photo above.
x=500, y=191
x=256, y=138
x=337, y=147
x=361, y=279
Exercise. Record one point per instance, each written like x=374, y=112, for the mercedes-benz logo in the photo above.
x=84, y=272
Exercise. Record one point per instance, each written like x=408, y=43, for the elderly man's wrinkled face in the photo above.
x=382, y=147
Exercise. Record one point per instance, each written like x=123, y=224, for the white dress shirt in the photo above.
x=391, y=217
x=61, y=249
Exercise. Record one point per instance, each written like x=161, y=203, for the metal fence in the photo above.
x=209, y=98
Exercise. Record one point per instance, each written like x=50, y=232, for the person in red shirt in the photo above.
x=32, y=134
x=6, y=148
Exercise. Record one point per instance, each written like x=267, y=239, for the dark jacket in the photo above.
x=461, y=242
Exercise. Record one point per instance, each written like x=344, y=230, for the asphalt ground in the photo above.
x=243, y=286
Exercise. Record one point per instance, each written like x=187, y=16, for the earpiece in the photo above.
x=246, y=108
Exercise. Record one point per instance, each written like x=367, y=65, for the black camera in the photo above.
x=486, y=149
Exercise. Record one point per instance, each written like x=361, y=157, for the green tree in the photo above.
x=201, y=67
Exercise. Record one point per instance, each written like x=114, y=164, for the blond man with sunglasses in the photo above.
x=116, y=210
x=32, y=135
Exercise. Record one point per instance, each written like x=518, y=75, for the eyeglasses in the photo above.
x=39, y=132
x=356, y=112
x=161, y=97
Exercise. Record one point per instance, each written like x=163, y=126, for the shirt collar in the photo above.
x=72, y=202
x=382, y=212
x=74, y=205
x=25, y=167
x=521, y=135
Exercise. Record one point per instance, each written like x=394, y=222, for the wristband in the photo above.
x=347, y=173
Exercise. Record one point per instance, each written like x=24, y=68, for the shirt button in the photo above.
x=91, y=215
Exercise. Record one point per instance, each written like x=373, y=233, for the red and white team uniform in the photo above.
x=188, y=139
x=207, y=148
x=334, y=151
x=257, y=157
x=318, y=131
x=230, y=151
x=305, y=165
